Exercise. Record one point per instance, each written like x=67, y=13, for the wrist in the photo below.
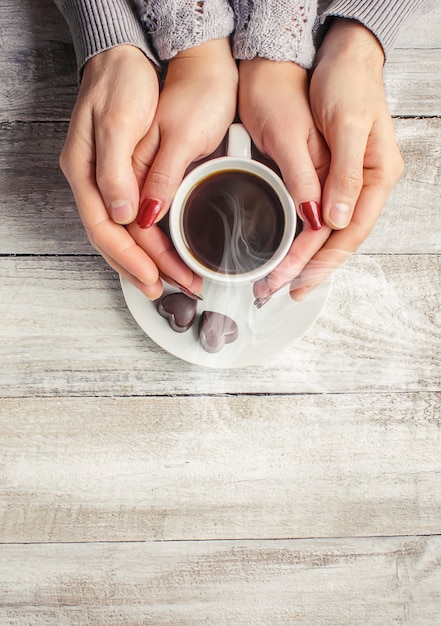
x=208, y=51
x=350, y=38
x=263, y=70
x=117, y=65
x=210, y=60
x=120, y=53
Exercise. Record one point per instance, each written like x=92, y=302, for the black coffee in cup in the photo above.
x=233, y=222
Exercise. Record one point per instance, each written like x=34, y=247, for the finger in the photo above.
x=304, y=247
x=342, y=243
x=164, y=177
x=145, y=152
x=153, y=291
x=291, y=151
x=157, y=245
x=115, y=143
x=347, y=145
x=112, y=240
x=302, y=181
x=319, y=268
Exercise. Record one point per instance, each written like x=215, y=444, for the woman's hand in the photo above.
x=349, y=106
x=349, y=109
x=196, y=107
x=274, y=107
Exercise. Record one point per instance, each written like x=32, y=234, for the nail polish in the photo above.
x=186, y=290
x=148, y=212
x=310, y=212
x=262, y=300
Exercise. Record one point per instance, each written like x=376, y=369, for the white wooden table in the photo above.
x=137, y=489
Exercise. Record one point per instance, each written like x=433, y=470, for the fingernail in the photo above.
x=262, y=300
x=186, y=290
x=299, y=294
x=310, y=212
x=121, y=211
x=259, y=302
x=148, y=212
x=340, y=215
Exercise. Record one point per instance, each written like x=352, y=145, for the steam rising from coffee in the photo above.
x=233, y=222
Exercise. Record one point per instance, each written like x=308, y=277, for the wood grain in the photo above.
x=273, y=583
x=38, y=214
x=39, y=81
x=65, y=330
x=413, y=81
x=136, y=489
x=37, y=62
x=170, y=468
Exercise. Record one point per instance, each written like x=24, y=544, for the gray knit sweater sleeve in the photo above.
x=384, y=18
x=97, y=25
x=176, y=25
x=280, y=30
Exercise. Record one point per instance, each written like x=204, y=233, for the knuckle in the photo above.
x=109, y=181
x=345, y=121
x=64, y=161
x=92, y=238
x=159, y=178
x=95, y=235
x=350, y=182
x=302, y=179
x=390, y=170
x=116, y=120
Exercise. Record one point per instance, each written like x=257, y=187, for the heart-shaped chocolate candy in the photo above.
x=216, y=330
x=179, y=310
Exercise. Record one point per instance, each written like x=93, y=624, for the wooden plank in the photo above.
x=65, y=330
x=413, y=82
x=374, y=581
x=37, y=62
x=38, y=215
x=420, y=32
x=171, y=468
x=419, y=188
x=38, y=67
x=37, y=210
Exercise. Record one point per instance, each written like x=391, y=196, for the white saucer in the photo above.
x=263, y=333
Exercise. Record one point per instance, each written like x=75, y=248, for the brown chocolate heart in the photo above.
x=216, y=330
x=179, y=310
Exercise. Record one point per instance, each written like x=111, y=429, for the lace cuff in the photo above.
x=178, y=25
x=279, y=30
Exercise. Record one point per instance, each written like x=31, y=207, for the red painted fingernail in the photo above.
x=311, y=214
x=260, y=302
x=186, y=290
x=148, y=212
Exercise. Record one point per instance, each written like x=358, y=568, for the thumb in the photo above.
x=114, y=173
x=164, y=177
x=302, y=181
x=345, y=178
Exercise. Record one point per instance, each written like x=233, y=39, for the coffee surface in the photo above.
x=233, y=222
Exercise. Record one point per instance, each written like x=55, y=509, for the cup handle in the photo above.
x=239, y=142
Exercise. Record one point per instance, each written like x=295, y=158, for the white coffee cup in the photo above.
x=236, y=208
